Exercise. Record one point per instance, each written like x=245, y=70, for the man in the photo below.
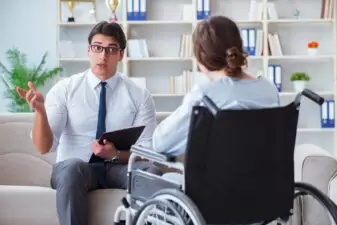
x=72, y=119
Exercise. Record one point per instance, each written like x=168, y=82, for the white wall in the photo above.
x=31, y=26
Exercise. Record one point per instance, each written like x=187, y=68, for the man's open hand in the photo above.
x=33, y=97
x=106, y=151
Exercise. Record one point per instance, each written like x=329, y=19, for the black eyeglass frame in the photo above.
x=111, y=50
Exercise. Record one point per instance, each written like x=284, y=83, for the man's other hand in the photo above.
x=106, y=151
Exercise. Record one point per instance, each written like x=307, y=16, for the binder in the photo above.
x=324, y=114
x=142, y=5
x=278, y=77
x=275, y=76
x=244, y=36
x=270, y=73
x=123, y=139
x=130, y=10
x=136, y=9
x=200, y=9
x=251, y=41
x=206, y=9
x=331, y=114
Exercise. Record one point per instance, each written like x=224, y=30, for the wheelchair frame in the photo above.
x=132, y=202
x=128, y=201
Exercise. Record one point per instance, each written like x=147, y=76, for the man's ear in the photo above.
x=88, y=51
x=121, y=55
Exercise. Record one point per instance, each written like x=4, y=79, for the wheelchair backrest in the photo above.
x=239, y=164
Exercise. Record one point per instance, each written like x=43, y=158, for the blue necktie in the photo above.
x=101, y=120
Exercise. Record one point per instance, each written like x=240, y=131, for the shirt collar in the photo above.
x=94, y=81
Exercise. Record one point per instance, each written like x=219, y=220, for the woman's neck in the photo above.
x=214, y=75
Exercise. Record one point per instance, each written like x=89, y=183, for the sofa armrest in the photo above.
x=316, y=166
x=310, y=157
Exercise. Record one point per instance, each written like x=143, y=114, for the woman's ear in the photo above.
x=202, y=68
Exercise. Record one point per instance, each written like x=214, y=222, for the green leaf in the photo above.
x=20, y=73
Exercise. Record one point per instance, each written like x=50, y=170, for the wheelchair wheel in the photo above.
x=169, y=206
x=308, y=189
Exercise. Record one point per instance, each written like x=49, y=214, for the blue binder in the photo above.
x=206, y=8
x=325, y=114
x=251, y=41
x=130, y=12
x=331, y=113
x=142, y=13
x=200, y=12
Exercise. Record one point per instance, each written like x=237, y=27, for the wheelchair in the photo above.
x=238, y=169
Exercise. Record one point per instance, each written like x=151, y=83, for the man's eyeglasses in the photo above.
x=109, y=50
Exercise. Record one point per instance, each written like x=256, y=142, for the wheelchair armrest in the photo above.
x=150, y=154
x=147, y=153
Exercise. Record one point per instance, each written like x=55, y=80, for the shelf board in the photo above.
x=149, y=22
x=79, y=0
x=161, y=59
x=294, y=21
x=255, y=57
x=301, y=57
x=241, y=21
x=316, y=130
x=248, y=21
x=73, y=59
x=75, y=24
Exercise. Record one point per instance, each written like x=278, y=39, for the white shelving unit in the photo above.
x=163, y=29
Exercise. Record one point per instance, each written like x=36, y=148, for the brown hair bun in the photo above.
x=236, y=60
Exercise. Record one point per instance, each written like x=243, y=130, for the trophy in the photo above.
x=71, y=5
x=93, y=13
x=112, y=6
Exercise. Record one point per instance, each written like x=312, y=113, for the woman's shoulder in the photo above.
x=267, y=84
x=196, y=94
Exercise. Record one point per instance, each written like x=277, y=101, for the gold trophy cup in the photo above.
x=71, y=5
x=112, y=6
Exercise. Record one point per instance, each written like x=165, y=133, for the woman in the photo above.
x=219, y=52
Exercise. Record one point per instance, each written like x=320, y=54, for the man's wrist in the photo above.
x=117, y=156
x=41, y=112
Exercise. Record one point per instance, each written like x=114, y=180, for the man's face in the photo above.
x=104, y=53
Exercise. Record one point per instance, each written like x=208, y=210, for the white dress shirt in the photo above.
x=170, y=136
x=72, y=109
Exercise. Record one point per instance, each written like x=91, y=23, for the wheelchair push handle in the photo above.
x=313, y=96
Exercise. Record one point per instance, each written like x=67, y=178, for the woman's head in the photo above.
x=218, y=46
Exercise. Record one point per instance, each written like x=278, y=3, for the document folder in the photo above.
x=123, y=139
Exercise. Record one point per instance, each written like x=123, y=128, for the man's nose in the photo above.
x=103, y=54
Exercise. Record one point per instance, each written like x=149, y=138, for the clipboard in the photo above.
x=123, y=139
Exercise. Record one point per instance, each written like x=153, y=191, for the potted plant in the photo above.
x=312, y=48
x=19, y=74
x=299, y=80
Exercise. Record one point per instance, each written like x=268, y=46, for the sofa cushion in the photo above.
x=20, y=204
x=103, y=204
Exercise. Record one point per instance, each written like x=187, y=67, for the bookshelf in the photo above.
x=154, y=51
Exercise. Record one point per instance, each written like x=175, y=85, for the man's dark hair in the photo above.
x=113, y=30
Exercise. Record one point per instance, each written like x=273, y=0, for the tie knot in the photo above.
x=103, y=83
